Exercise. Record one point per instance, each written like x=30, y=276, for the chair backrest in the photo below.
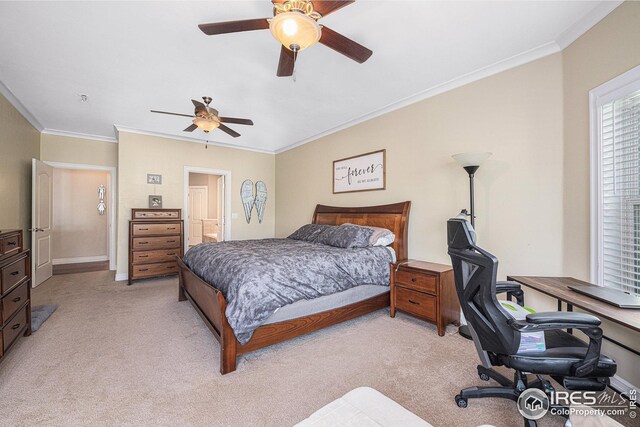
x=475, y=272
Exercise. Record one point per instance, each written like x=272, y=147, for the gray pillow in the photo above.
x=309, y=232
x=379, y=237
x=346, y=236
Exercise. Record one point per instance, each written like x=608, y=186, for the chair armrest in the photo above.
x=563, y=317
x=512, y=289
x=586, y=323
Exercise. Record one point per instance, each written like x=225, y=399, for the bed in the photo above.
x=211, y=305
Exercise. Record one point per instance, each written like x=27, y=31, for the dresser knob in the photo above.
x=413, y=279
x=414, y=302
x=16, y=326
x=17, y=299
x=15, y=273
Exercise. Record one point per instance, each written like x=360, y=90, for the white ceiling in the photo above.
x=130, y=57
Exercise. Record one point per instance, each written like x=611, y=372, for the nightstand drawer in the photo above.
x=418, y=281
x=416, y=303
x=14, y=299
x=14, y=327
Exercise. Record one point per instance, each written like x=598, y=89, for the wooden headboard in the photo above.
x=393, y=217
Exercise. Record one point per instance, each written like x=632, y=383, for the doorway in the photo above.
x=71, y=230
x=206, y=206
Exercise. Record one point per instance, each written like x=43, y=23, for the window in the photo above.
x=615, y=183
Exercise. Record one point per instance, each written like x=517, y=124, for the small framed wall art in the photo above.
x=365, y=172
x=153, y=178
x=155, y=201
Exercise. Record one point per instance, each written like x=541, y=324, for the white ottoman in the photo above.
x=363, y=406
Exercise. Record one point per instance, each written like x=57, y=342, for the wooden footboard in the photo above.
x=211, y=306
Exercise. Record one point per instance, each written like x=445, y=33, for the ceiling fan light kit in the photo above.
x=294, y=25
x=206, y=124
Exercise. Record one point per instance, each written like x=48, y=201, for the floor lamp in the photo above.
x=470, y=162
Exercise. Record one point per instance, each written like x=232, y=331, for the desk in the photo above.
x=558, y=288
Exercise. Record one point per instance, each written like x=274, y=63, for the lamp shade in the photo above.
x=206, y=125
x=471, y=159
x=296, y=31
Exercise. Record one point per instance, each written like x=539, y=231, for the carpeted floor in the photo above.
x=133, y=355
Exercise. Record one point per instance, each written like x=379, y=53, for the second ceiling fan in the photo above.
x=295, y=26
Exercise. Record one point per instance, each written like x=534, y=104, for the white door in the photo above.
x=41, y=221
x=220, y=209
x=197, y=212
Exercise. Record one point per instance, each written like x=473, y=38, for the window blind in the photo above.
x=620, y=192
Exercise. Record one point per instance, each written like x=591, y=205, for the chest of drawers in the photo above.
x=156, y=240
x=15, y=290
x=425, y=290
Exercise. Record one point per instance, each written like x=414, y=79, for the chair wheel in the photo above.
x=484, y=377
x=461, y=401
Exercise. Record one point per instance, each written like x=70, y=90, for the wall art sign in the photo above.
x=153, y=178
x=365, y=172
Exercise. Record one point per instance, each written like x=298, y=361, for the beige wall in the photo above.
x=79, y=231
x=607, y=50
x=517, y=115
x=66, y=149
x=141, y=154
x=19, y=143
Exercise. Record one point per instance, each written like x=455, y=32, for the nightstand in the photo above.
x=425, y=290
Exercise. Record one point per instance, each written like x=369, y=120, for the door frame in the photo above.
x=111, y=213
x=227, y=198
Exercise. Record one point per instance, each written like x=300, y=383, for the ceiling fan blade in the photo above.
x=345, y=46
x=234, y=26
x=237, y=121
x=173, y=114
x=286, y=63
x=326, y=7
x=191, y=128
x=230, y=131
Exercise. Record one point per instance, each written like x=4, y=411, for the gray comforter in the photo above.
x=257, y=277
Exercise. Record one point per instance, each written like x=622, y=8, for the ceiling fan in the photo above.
x=207, y=119
x=295, y=26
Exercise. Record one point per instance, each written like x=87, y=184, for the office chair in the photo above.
x=496, y=335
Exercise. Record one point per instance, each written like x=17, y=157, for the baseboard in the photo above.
x=122, y=277
x=78, y=260
x=623, y=386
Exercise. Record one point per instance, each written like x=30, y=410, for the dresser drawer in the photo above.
x=418, y=281
x=10, y=245
x=155, y=214
x=155, y=229
x=12, y=301
x=416, y=303
x=156, y=242
x=13, y=273
x=14, y=327
x=157, y=269
x=139, y=257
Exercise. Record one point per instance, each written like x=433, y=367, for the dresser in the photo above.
x=427, y=291
x=156, y=240
x=15, y=290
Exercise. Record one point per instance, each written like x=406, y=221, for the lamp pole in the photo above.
x=471, y=170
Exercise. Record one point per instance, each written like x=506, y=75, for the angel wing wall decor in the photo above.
x=261, y=199
x=247, y=197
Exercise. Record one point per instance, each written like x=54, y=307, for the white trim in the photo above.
x=495, y=68
x=620, y=384
x=79, y=260
x=113, y=180
x=13, y=100
x=227, y=199
x=57, y=132
x=586, y=22
x=606, y=92
x=120, y=128
x=122, y=277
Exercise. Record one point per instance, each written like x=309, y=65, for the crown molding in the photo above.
x=79, y=135
x=586, y=22
x=13, y=100
x=120, y=128
x=495, y=68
